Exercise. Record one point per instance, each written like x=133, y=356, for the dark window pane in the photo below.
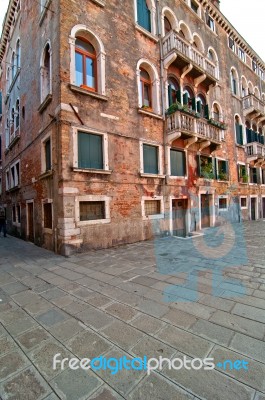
x=178, y=163
x=85, y=46
x=92, y=210
x=47, y=210
x=147, y=95
x=48, y=155
x=90, y=151
x=150, y=159
x=152, y=207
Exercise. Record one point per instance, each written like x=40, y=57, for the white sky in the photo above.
x=246, y=16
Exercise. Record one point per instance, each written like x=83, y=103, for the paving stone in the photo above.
x=260, y=396
x=147, y=324
x=11, y=363
x=94, y=318
x=43, y=287
x=122, y=334
x=32, y=338
x=213, y=332
x=76, y=384
x=99, y=300
x=179, y=318
x=151, y=347
x=52, y=397
x=75, y=307
x=128, y=298
x=217, y=302
x=11, y=316
x=53, y=293
x=210, y=385
x=249, y=312
x=152, y=308
x=239, y=324
x=15, y=287
x=6, y=345
x=21, y=326
x=52, y=317
x=254, y=376
x=248, y=346
x=88, y=345
x=122, y=380
x=25, y=297
x=64, y=301
x=3, y=332
x=105, y=393
x=121, y=311
x=42, y=357
x=83, y=293
x=65, y=330
x=185, y=342
x=154, y=387
x=38, y=306
x=196, y=309
x=27, y=385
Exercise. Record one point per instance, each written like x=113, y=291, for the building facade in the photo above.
x=121, y=120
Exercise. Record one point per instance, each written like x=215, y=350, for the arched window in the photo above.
x=148, y=86
x=7, y=78
x=198, y=43
x=201, y=105
x=185, y=31
x=146, y=89
x=256, y=92
x=254, y=128
x=146, y=15
x=250, y=88
x=17, y=115
x=13, y=65
x=85, y=64
x=188, y=98
x=46, y=75
x=234, y=81
x=244, y=87
x=167, y=25
x=239, y=131
x=173, y=91
x=18, y=54
x=87, y=68
x=216, y=112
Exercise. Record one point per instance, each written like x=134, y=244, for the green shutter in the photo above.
x=143, y=15
x=150, y=154
x=241, y=133
x=193, y=104
x=48, y=154
x=177, y=163
x=170, y=102
x=178, y=94
x=199, y=164
x=206, y=111
x=199, y=106
x=185, y=98
x=90, y=151
x=214, y=167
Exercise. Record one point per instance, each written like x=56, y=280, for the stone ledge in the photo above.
x=86, y=92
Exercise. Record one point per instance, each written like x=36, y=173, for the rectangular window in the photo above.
x=18, y=210
x=254, y=65
x=223, y=203
x=90, y=151
x=14, y=219
x=222, y=167
x=7, y=180
x=263, y=176
x=177, y=162
x=239, y=134
x=48, y=159
x=15, y=175
x=253, y=175
x=241, y=54
x=143, y=15
x=47, y=215
x=92, y=210
x=242, y=174
x=243, y=202
x=210, y=23
x=152, y=207
x=150, y=158
x=231, y=43
x=207, y=168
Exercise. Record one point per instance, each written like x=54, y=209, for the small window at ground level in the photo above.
x=243, y=202
x=47, y=209
x=152, y=207
x=222, y=203
x=92, y=210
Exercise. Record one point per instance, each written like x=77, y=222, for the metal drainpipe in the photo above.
x=158, y=14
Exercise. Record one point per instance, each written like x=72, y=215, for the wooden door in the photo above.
x=205, y=211
x=30, y=221
x=179, y=209
x=253, y=208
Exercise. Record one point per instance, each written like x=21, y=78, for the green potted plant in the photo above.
x=223, y=176
x=207, y=171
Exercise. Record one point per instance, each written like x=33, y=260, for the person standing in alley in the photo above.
x=2, y=221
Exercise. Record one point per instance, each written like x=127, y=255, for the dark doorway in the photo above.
x=30, y=222
x=179, y=210
x=253, y=208
x=263, y=207
x=205, y=211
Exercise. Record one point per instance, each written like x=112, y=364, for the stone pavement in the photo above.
x=169, y=297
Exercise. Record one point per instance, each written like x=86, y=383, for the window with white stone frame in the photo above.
x=92, y=210
x=145, y=15
x=152, y=207
x=47, y=218
x=46, y=154
x=15, y=175
x=150, y=159
x=243, y=202
x=223, y=203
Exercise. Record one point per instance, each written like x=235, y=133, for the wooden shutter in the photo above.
x=193, y=102
x=90, y=154
x=150, y=155
x=143, y=15
x=48, y=154
x=199, y=106
x=170, y=102
x=206, y=111
x=185, y=98
x=177, y=162
x=199, y=164
x=178, y=94
x=214, y=167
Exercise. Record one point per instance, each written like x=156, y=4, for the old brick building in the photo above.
x=121, y=119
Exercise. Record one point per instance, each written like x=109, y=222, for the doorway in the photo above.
x=179, y=212
x=205, y=211
x=263, y=207
x=30, y=221
x=253, y=208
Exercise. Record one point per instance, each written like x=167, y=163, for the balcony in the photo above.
x=255, y=152
x=193, y=129
x=253, y=107
x=189, y=59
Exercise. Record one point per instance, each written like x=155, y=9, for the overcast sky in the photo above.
x=246, y=16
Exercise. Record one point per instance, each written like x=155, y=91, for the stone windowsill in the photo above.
x=143, y=175
x=93, y=222
x=45, y=103
x=13, y=189
x=87, y=92
x=156, y=216
x=46, y=174
x=149, y=113
x=92, y=171
x=48, y=230
x=44, y=11
x=14, y=141
x=241, y=146
x=146, y=33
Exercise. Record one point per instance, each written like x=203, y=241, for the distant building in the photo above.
x=124, y=119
